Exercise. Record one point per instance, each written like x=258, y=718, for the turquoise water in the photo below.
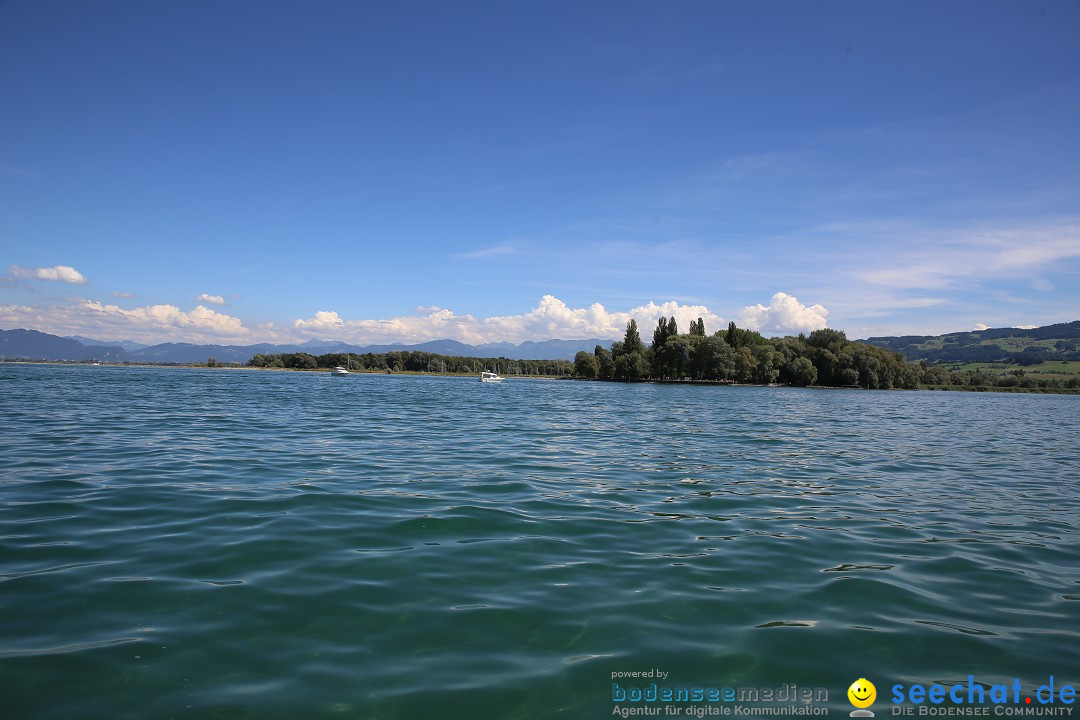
x=239, y=544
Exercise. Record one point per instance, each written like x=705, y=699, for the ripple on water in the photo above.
x=256, y=544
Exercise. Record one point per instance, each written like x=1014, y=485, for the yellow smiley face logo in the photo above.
x=862, y=693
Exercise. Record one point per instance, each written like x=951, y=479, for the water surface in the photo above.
x=240, y=544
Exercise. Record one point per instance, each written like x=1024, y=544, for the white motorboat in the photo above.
x=340, y=370
x=490, y=377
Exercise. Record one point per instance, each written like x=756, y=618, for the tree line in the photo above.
x=412, y=361
x=825, y=357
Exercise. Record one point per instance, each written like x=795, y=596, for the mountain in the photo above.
x=34, y=345
x=31, y=344
x=1025, y=346
x=125, y=344
x=452, y=348
x=546, y=350
x=321, y=346
x=190, y=353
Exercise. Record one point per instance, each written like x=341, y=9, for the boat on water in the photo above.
x=490, y=377
x=338, y=370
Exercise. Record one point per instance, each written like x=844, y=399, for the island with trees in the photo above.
x=823, y=358
x=731, y=356
x=413, y=361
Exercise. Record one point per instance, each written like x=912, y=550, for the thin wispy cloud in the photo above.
x=503, y=249
x=939, y=259
x=674, y=74
x=513, y=185
x=19, y=172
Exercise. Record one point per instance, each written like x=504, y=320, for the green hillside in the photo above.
x=1052, y=350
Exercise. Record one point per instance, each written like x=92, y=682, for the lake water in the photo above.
x=181, y=543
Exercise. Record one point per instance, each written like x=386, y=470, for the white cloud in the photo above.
x=323, y=320
x=150, y=324
x=212, y=299
x=980, y=326
x=510, y=247
x=199, y=325
x=550, y=319
x=784, y=315
x=61, y=273
x=1027, y=327
x=937, y=259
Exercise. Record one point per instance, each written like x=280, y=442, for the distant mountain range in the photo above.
x=34, y=345
x=128, y=345
x=1022, y=345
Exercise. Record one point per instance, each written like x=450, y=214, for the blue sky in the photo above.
x=246, y=172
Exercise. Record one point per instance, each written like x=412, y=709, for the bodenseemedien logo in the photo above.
x=862, y=694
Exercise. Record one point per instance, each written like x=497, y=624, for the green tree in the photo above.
x=803, y=372
x=828, y=338
x=766, y=365
x=737, y=337
x=714, y=359
x=848, y=377
x=660, y=334
x=675, y=357
x=745, y=364
x=605, y=363
x=659, y=337
x=631, y=366
x=632, y=341
x=586, y=365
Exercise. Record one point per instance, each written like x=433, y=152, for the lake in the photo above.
x=185, y=543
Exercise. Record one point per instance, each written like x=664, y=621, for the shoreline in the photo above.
x=424, y=373
x=314, y=371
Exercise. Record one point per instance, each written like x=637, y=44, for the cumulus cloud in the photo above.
x=323, y=320
x=60, y=273
x=199, y=325
x=212, y=299
x=785, y=314
x=550, y=319
x=980, y=326
x=149, y=324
